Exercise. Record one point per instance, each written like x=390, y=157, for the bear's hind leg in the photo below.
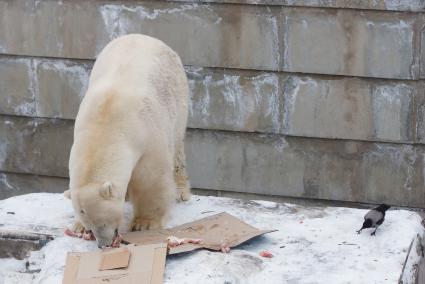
x=151, y=203
x=180, y=175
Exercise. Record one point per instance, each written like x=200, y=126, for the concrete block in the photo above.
x=51, y=29
x=422, y=48
x=17, y=95
x=61, y=85
x=350, y=108
x=12, y=184
x=301, y=167
x=395, y=174
x=208, y=35
x=234, y=100
x=394, y=112
x=348, y=42
x=35, y=146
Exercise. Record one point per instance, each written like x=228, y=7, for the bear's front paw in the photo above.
x=78, y=227
x=139, y=224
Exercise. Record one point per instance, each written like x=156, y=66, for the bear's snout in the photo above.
x=104, y=243
x=106, y=237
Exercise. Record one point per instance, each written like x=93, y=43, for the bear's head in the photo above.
x=100, y=209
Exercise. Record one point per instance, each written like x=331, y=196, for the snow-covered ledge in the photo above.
x=390, y=5
x=313, y=244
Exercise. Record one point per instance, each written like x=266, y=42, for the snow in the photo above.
x=313, y=244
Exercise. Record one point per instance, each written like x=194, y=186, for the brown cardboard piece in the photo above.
x=214, y=231
x=143, y=262
x=115, y=258
x=129, y=264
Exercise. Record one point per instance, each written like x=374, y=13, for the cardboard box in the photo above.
x=214, y=231
x=128, y=264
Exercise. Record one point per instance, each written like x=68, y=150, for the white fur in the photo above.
x=129, y=137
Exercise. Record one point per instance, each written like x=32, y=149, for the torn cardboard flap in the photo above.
x=214, y=231
x=143, y=264
x=115, y=258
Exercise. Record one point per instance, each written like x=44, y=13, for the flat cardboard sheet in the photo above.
x=134, y=264
x=214, y=231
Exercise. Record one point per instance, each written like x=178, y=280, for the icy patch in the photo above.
x=77, y=75
x=241, y=98
x=285, y=63
x=292, y=92
x=401, y=33
x=390, y=109
x=276, y=42
x=401, y=26
x=4, y=181
x=267, y=204
x=25, y=108
x=117, y=24
x=403, y=159
x=110, y=16
x=3, y=153
x=26, y=104
x=204, y=104
x=269, y=82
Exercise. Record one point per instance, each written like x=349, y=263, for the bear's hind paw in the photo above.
x=183, y=195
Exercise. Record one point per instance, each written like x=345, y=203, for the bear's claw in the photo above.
x=144, y=224
x=184, y=196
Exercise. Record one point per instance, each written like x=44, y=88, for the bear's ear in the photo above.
x=67, y=193
x=107, y=190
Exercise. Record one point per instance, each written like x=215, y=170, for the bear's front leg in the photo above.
x=150, y=211
x=151, y=204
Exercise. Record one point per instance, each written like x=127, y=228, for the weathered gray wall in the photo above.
x=290, y=98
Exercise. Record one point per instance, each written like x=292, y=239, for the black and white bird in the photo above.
x=374, y=218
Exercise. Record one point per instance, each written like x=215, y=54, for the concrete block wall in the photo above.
x=288, y=98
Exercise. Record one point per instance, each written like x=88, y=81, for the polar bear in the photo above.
x=129, y=138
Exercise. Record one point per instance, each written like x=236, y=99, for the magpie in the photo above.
x=374, y=218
